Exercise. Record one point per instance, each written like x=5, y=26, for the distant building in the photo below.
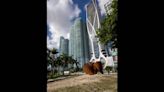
x=108, y=8
x=63, y=45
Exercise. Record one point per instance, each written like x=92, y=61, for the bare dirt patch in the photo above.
x=85, y=83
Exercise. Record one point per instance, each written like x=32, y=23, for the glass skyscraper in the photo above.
x=64, y=43
x=79, y=45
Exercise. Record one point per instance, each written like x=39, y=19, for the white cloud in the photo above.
x=68, y=35
x=101, y=5
x=59, y=17
x=54, y=41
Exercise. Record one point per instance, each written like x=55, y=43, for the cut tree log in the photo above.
x=92, y=68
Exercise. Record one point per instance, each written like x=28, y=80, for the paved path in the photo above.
x=66, y=77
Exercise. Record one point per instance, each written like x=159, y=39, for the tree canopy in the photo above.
x=108, y=29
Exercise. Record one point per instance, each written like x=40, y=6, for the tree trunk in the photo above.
x=53, y=64
x=58, y=70
x=106, y=48
x=52, y=70
x=77, y=68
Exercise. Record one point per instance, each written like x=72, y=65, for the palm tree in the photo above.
x=54, y=52
x=51, y=56
x=58, y=63
x=49, y=59
x=71, y=61
x=76, y=63
x=66, y=60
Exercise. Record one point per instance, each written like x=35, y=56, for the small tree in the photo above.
x=107, y=32
x=73, y=62
x=108, y=69
x=58, y=63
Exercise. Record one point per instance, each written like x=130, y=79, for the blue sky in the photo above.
x=60, y=16
x=81, y=4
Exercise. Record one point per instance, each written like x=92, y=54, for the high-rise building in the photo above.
x=63, y=45
x=71, y=42
x=66, y=49
x=86, y=43
x=79, y=45
x=108, y=8
x=93, y=24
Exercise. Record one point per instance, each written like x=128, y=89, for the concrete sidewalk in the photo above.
x=64, y=77
x=59, y=78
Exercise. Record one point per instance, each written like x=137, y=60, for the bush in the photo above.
x=108, y=69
